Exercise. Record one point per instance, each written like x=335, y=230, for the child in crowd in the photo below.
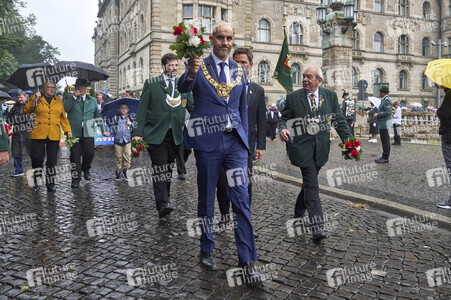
x=122, y=127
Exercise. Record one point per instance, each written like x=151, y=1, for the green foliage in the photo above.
x=8, y=63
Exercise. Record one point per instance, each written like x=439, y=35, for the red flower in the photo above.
x=135, y=153
x=348, y=145
x=139, y=148
x=192, y=31
x=356, y=143
x=178, y=30
x=202, y=40
x=354, y=153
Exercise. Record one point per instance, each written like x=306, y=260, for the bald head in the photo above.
x=222, y=40
x=312, y=78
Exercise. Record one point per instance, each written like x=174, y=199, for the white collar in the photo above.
x=218, y=61
x=166, y=78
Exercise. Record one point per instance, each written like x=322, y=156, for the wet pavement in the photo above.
x=105, y=241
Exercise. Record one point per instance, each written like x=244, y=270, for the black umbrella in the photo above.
x=4, y=96
x=31, y=76
x=111, y=108
x=81, y=70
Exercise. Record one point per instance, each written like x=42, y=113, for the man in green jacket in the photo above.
x=4, y=142
x=160, y=120
x=305, y=122
x=82, y=113
x=384, y=123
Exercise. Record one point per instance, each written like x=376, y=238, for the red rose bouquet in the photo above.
x=189, y=41
x=138, y=147
x=351, y=149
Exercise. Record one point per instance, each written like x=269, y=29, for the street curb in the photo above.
x=382, y=204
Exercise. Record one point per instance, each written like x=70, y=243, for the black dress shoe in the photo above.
x=381, y=160
x=87, y=175
x=255, y=235
x=251, y=276
x=75, y=183
x=318, y=234
x=51, y=188
x=165, y=210
x=182, y=176
x=208, y=261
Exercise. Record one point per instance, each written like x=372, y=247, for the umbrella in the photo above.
x=439, y=71
x=14, y=92
x=81, y=70
x=4, y=96
x=1, y=86
x=111, y=108
x=31, y=76
x=416, y=104
x=375, y=101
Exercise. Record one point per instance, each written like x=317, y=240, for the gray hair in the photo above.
x=22, y=93
x=221, y=24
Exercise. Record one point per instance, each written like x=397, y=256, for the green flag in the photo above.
x=283, y=72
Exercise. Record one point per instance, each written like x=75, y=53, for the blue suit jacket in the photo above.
x=209, y=118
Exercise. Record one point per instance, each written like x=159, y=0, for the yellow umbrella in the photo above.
x=439, y=71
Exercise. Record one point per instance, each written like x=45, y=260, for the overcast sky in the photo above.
x=67, y=25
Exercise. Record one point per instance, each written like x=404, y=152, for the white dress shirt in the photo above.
x=316, y=99
x=166, y=80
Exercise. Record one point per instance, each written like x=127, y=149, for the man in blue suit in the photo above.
x=218, y=133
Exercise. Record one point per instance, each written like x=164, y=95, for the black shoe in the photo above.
x=125, y=174
x=75, y=183
x=182, y=176
x=165, y=210
x=208, y=261
x=87, y=175
x=221, y=227
x=251, y=276
x=381, y=160
x=396, y=144
x=118, y=175
x=255, y=235
x=51, y=188
x=318, y=234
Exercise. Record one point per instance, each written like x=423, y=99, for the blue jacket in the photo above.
x=209, y=118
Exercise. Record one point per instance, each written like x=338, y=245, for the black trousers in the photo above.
x=84, y=148
x=272, y=130
x=182, y=158
x=221, y=190
x=39, y=148
x=351, y=126
x=385, y=139
x=163, y=158
x=308, y=198
x=397, y=132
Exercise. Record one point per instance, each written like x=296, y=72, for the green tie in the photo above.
x=170, y=87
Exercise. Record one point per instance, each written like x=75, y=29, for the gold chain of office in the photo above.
x=223, y=89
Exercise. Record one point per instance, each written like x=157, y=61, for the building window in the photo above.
x=264, y=31
x=124, y=82
x=295, y=34
x=355, y=78
x=403, y=8
x=402, y=80
x=425, y=47
x=135, y=75
x=426, y=10
x=128, y=76
x=378, y=42
x=449, y=9
x=224, y=14
x=355, y=40
x=206, y=18
x=424, y=82
x=263, y=72
x=296, y=70
x=378, y=76
x=188, y=14
x=379, y=6
x=403, y=44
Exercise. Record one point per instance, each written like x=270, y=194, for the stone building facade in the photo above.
x=390, y=44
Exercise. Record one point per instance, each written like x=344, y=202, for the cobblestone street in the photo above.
x=374, y=257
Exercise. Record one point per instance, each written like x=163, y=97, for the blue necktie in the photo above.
x=222, y=76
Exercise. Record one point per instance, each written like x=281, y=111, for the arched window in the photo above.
x=379, y=6
x=355, y=78
x=295, y=34
x=403, y=44
x=426, y=10
x=425, y=47
x=355, y=40
x=424, y=82
x=403, y=8
x=264, y=31
x=378, y=76
x=402, y=80
x=263, y=72
x=378, y=42
x=296, y=70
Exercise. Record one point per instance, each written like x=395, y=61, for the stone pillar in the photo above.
x=337, y=53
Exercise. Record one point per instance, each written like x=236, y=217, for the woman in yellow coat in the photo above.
x=46, y=133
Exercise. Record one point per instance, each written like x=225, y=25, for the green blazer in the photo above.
x=306, y=147
x=4, y=140
x=86, y=113
x=155, y=115
x=384, y=119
